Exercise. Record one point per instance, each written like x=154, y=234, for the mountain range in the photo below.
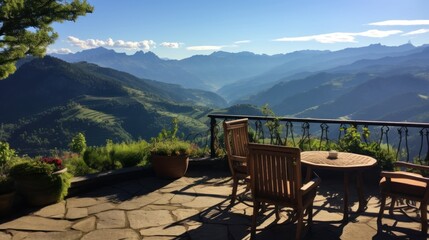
x=350, y=91
x=234, y=76
x=49, y=100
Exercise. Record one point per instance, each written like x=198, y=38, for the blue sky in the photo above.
x=178, y=29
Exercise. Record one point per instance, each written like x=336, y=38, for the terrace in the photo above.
x=135, y=204
x=196, y=207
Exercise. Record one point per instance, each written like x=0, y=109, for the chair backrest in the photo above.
x=236, y=137
x=275, y=172
x=236, y=141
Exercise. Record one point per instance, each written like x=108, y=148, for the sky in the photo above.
x=177, y=29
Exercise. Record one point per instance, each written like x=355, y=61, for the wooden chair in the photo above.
x=236, y=141
x=276, y=179
x=407, y=185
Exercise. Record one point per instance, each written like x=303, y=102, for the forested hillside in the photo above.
x=48, y=100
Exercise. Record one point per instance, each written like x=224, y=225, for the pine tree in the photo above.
x=25, y=27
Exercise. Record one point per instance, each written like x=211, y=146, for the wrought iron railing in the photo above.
x=410, y=140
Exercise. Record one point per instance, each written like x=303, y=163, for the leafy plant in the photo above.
x=78, y=143
x=274, y=127
x=167, y=143
x=6, y=155
x=352, y=142
x=77, y=166
x=39, y=171
x=97, y=158
x=115, y=155
x=172, y=148
x=131, y=154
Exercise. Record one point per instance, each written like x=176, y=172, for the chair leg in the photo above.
x=277, y=209
x=392, y=205
x=247, y=186
x=234, y=191
x=382, y=206
x=254, y=216
x=424, y=219
x=310, y=216
x=300, y=224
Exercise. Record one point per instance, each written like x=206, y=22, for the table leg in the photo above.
x=359, y=184
x=346, y=197
x=308, y=174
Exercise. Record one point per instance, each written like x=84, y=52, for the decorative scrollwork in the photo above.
x=424, y=134
x=259, y=128
x=342, y=130
x=305, y=139
x=324, y=135
x=289, y=130
x=403, y=134
x=384, y=131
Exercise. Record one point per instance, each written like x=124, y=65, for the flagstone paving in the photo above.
x=196, y=207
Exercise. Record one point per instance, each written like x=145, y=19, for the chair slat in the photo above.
x=276, y=179
x=236, y=144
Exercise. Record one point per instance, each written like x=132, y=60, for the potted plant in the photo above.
x=7, y=190
x=41, y=181
x=169, y=154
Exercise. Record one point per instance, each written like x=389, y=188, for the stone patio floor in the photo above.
x=197, y=207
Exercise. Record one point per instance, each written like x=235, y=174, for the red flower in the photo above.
x=51, y=160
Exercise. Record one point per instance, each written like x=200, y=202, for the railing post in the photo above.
x=212, y=137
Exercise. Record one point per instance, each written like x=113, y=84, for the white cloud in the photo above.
x=205, y=48
x=60, y=51
x=93, y=43
x=420, y=31
x=242, y=41
x=377, y=33
x=339, y=37
x=170, y=44
x=400, y=23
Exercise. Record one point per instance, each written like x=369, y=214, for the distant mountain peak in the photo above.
x=220, y=54
x=147, y=55
x=99, y=50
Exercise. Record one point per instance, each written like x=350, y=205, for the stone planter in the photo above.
x=170, y=166
x=39, y=190
x=6, y=202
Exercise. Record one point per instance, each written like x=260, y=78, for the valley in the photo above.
x=109, y=95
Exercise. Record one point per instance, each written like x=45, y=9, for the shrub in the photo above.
x=130, y=154
x=352, y=142
x=97, y=158
x=171, y=148
x=35, y=170
x=6, y=154
x=78, y=143
x=167, y=143
x=113, y=156
x=77, y=166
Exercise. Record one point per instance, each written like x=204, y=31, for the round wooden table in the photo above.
x=344, y=162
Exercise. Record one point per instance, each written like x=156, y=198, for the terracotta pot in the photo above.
x=6, y=202
x=170, y=166
x=39, y=191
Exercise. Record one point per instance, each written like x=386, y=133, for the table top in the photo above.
x=345, y=160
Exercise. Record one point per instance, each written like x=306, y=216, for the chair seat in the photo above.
x=404, y=186
x=307, y=198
